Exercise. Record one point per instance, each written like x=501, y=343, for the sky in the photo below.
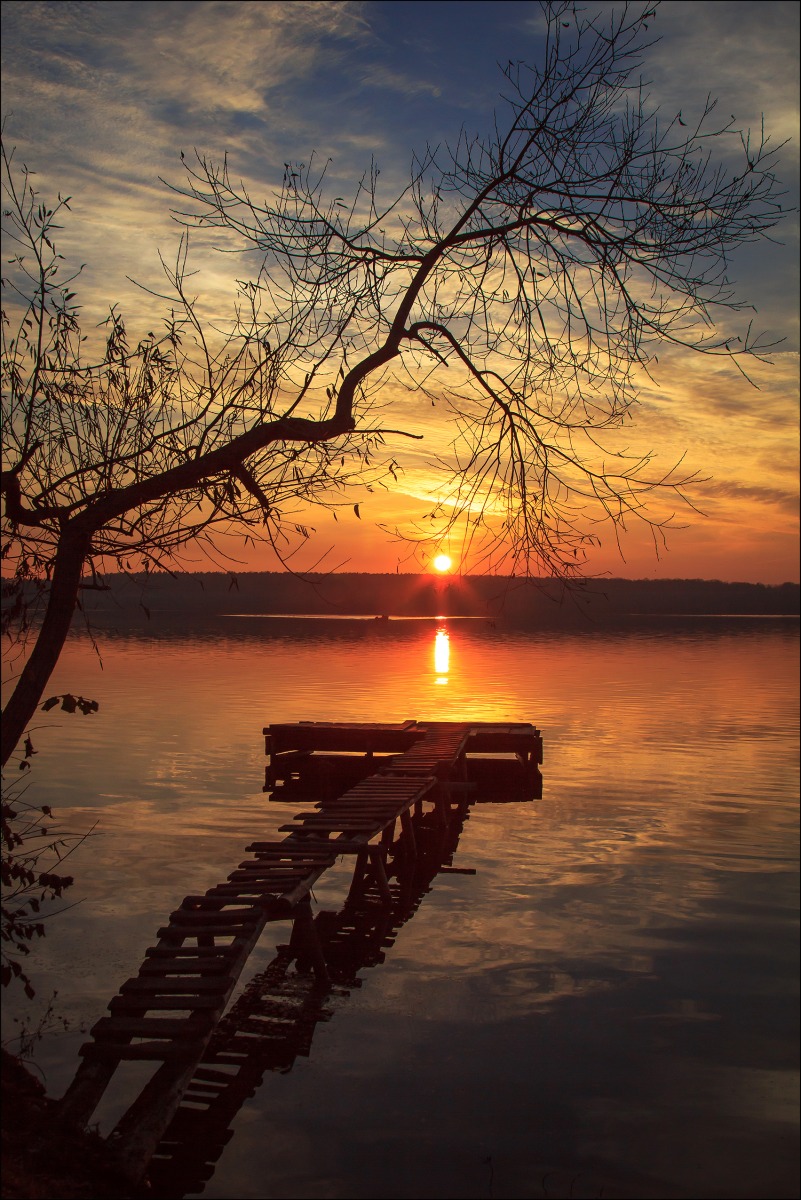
x=101, y=98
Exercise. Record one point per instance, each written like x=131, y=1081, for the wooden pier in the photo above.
x=370, y=788
x=273, y=1021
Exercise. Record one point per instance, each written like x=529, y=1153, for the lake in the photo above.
x=607, y=1007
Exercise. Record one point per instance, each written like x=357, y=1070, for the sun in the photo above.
x=443, y=563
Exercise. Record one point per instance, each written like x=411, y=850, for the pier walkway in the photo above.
x=367, y=783
x=274, y=1020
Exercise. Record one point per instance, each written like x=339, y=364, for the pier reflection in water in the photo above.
x=366, y=780
x=274, y=1020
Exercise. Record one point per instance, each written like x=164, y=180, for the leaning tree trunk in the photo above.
x=70, y=556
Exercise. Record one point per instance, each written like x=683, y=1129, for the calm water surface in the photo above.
x=607, y=1007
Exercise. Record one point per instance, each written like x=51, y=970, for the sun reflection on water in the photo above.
x=442, y=655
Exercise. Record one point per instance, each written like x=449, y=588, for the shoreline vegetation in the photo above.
x=495, y=598
x=43, y=1159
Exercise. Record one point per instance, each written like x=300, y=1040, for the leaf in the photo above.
x=356, y=510
x=69, y=703
x=51, y=703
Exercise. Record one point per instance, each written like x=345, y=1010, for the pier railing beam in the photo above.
x=140, y=1130
x=84, y=1093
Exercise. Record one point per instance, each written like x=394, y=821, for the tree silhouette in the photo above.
x=526, y=280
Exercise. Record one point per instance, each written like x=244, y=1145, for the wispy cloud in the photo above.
x=395, y=81
x=785, y=500
x=745, y=55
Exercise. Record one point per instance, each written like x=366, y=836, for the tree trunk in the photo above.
x=70, y=556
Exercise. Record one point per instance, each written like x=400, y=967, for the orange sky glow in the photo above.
x=101, y=109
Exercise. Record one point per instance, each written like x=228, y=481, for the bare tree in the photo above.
x=525, y=279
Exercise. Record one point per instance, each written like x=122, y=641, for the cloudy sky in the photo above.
x=100, y=98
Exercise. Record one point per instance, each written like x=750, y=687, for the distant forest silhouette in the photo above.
x=395, y=595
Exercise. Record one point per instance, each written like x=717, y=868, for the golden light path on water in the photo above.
x=442, y=655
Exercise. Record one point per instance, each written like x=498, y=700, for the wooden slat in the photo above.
x=286, y=849
x=181, y=933
x=347, y=814
x=349, y=845
x=178, y=952
x=350, y=826
x=142, y=1003
x=212, y=1076
x=318, y=735
x=268, y=869
x=157, y=1027
x=183, y=966
x=141, y=1051
x=212, y=916
x=155, y=986
x=256, y=887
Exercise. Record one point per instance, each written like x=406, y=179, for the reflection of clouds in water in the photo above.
x=518, y=988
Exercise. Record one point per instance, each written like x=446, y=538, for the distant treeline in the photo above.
x=493, y=597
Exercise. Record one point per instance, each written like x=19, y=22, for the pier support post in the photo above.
x=357, y=883
x=305, y=938
x=409, y=841
x=377, y=860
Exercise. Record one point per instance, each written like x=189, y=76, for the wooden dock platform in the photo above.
x=373, y=783
x=324, y=756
